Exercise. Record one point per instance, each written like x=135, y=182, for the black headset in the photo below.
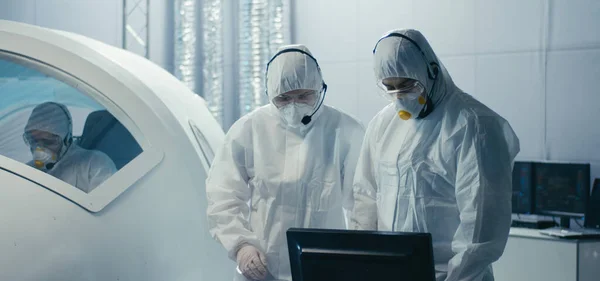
x=432, y=67
x=307, y=118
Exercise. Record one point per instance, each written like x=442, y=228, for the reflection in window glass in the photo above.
x=207, y=152
x=50, y=125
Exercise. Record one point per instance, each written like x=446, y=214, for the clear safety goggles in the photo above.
x=308, y=97
x=409, y=92
x=48, y=141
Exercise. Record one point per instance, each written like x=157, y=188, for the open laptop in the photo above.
x=591, y=226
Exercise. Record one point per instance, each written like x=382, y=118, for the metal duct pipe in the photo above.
x=262, y=29
x=212, y=66
x=185, y=42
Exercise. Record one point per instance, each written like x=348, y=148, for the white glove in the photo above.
x=252, y=263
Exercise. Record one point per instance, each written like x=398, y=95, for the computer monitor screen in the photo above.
x=592, y=215
x=332, y=255
x=561, y=189
x=522, y=188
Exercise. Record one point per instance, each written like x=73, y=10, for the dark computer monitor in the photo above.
x=561, y=190
x=522, y=188
x=592, y=214
x=332, y=255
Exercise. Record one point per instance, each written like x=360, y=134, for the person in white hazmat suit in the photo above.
x=287, y=164
x=435, y=160
x=49, y=134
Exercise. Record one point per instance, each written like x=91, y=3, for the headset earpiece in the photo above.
x=433, y=70
x=68, y=140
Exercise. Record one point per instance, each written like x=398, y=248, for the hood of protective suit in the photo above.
x=397, y=57
x=292, y=71
x=50, y=117
x=53, y=118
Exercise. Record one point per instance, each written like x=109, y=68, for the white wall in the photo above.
x=98, y=19
x=535, y=62
x=162, y=35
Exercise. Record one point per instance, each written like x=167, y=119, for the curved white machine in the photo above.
x=147, y=221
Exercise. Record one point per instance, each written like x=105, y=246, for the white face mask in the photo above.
x=409, y=104
x=43, y=158
x=409, y=107
x=294, y=112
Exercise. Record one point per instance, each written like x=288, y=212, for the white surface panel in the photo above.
x=511, y=85
x=97, y=19
x=573, y=105
x=327, y=28
x=375, y=18
x=448, y=25
x=508, y=25
x=342, y=86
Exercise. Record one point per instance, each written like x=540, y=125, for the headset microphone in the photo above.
x=306, y=119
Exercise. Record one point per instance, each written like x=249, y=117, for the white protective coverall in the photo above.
x=269, y=177
x=84, y=169
x=448, y=174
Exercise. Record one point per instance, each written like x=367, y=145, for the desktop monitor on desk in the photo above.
x=592, y=214
x=332, y=255
x=522, y=188
x=561, y=190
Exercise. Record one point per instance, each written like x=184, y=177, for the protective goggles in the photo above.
x=409, y=92
x=308, y=97
x=43, y=141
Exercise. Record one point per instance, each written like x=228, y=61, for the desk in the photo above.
x=531, y=256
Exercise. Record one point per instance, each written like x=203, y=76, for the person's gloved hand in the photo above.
x=252, y=263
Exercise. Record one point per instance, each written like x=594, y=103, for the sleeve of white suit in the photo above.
x=349, y=168
x=364, y=212
x=101, y=167
x=229, y=196
x=483, y=194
